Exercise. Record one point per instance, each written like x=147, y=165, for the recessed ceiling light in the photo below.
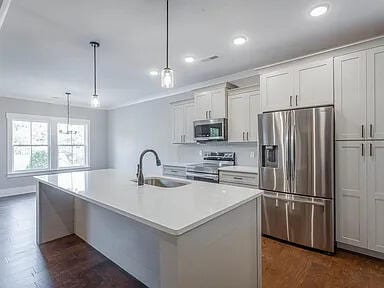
x=240, y=40
x=319, y=10
x=154, y=73
x=189, y=59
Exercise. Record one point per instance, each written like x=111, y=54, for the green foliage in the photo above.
x=39, y=160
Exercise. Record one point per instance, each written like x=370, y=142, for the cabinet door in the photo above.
x=238, y=117
x=375, y=197
x=351, y=193
x=203, y=105
x=178, y=123
x=254, y=110
x=276, y=90
x=375, y=76
x=189, y=117
x=351, y=96
x=314, y=84
x=218, y=104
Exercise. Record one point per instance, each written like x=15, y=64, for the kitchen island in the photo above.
x=196, y=235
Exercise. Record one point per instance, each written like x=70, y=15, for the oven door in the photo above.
x=210, y=130
x=213, y=178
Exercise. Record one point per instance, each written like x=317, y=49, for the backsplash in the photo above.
x=244, y=152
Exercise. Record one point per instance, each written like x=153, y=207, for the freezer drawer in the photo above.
x=275, y=216
x=302, y=220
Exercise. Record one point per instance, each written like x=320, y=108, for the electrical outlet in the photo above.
x=201, y=152
x=252, y=155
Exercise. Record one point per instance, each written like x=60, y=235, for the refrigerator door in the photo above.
x=273, y=151
x=310, y=222
x=312, y=152
x=275, y=215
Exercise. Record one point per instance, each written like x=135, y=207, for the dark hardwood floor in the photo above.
x=67, y=262
x=70, y=262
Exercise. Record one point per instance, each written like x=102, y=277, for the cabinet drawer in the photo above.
x=173, y=171
x=239, y=178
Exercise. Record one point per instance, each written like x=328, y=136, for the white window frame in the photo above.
x=52, y=144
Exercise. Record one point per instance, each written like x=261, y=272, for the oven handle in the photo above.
x=201, y=175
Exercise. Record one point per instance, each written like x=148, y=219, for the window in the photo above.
x=71, y=146
x=40, y=144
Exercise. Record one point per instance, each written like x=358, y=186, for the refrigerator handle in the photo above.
x=287, y=123
x=293, y=151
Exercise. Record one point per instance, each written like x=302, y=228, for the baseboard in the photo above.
x=17, y=191
x=360, y=250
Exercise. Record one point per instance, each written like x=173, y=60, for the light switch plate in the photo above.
x=252, y=155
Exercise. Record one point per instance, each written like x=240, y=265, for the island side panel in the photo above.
x=54, y=213
x=133, y=246
x=222, y=253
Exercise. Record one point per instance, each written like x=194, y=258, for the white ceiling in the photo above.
x=44, y=48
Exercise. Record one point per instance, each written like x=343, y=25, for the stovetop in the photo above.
x=212, y=162
x=209, y=168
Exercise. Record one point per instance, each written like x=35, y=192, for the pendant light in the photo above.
x=167, y=78
x=68, y=94
x=95, y=102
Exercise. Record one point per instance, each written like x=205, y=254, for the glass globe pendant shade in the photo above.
x=167, y=78
x=95, y=101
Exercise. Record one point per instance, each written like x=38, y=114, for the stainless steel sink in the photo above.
x=163, y=182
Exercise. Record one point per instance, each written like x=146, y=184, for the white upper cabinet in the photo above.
x=314, y=84
x=350, y=96
x=375, y=93
x=359, y=95
x=203, y=105
x=183, y=115
x=277, y=90
x=351, y=194
x=243, y=108
x=375, y=182
x=189, y=117
x=254, y=110
x=212, y=102
x=307, y=85
x=237, y=118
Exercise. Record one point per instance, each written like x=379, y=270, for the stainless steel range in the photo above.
x=208, y=171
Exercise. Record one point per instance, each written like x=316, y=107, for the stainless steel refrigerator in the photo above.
x=296, y=163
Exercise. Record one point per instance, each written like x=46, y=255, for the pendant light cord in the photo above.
x=94, y=70
x=68, y=94
x=167, y=33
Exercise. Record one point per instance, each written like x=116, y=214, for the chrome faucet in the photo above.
x=140, y=176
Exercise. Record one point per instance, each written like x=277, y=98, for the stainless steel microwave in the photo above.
x=210, y=130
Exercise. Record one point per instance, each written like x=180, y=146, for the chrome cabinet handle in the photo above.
x=362, y=131
x=237, y=178
x=243, y=136
x=206, y=114
x=210, y=114
x=247, y=136
x=370, y=149
x=290, y=101
x=296, y=99
x=362, y=149
x=371, y=130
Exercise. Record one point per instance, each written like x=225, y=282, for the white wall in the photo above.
x=98, y=132
x=134, y=128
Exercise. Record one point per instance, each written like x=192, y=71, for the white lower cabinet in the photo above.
x=375, y=184
x=351, y=194
x=360, y=194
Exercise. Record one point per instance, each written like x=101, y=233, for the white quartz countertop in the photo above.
x=172, y=210
x=241, y=169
